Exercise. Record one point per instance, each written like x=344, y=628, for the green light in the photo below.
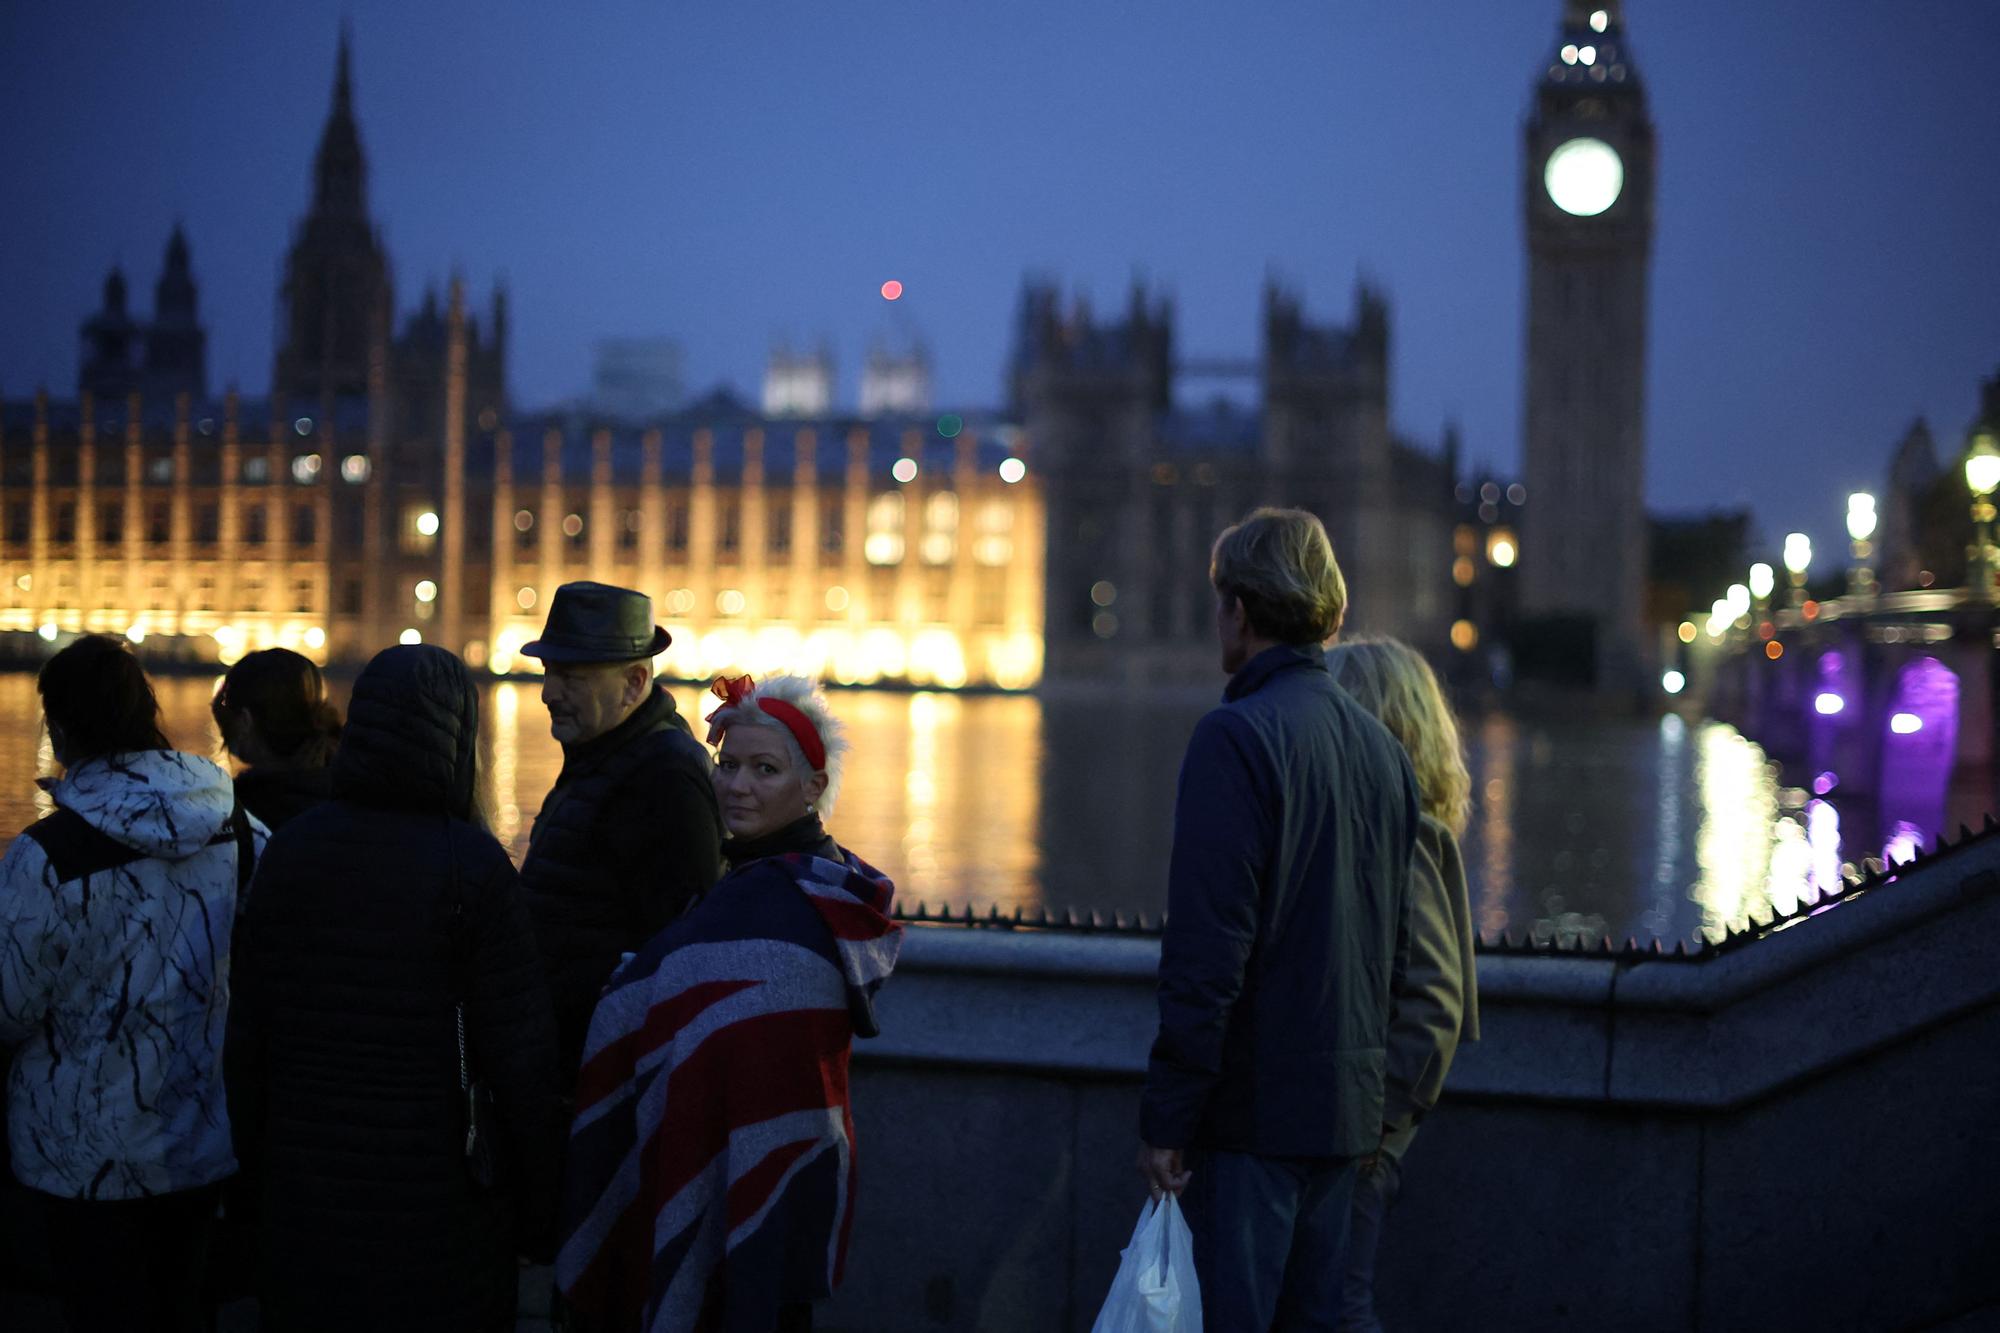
x=950, y=425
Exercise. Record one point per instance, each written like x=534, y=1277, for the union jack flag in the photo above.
x=711, y=1168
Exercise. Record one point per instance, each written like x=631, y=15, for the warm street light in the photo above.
x=1982, y=474
x=1860, y=527
x=1798, y=556
x=1762, y=580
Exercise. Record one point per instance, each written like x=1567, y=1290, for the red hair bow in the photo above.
x=735, y=692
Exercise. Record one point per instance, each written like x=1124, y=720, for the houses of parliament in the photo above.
x=386, y=490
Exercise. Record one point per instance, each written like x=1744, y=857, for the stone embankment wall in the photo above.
x=1796, y=1133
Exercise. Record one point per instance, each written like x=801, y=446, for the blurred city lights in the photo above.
x=1798, y=552
x=1906, y=724
x=1464, y=635
x=524, y=598
x=409, y=636
x=1762, y=580
x=1686, y=632
x=892, y=290
x=1673, y=682
x=1599, y=20
x=1982, y=465
x=47, y=629
x=1860, y=516
x=1828, y=703
x=950, y=424
x=426, y=591
x=427, y=523
x=1012, y=470
x=1774, y=650
x=1502, y=551
x=905, y=470
x=315, y=637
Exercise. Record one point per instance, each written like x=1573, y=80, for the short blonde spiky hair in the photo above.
x=1391, y=680
x=804, y=694
x=1279, y=564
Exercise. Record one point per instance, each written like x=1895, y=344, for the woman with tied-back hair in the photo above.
x=274, y=716
x=1437, y=1005
x=711, y=1171
x=115, y=912
x=386, y=961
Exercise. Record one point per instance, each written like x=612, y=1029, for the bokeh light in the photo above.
x=892, y=290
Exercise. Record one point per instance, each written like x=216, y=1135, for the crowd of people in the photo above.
x=309, y=1033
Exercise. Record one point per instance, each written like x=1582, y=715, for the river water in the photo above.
x=1661, y=829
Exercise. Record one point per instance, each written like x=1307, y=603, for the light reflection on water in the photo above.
x=1580, y=830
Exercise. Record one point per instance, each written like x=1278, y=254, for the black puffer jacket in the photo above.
x=279, y=795
x=627, y=839
x=342, y=1060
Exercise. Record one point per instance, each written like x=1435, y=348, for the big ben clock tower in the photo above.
x=1589, y=195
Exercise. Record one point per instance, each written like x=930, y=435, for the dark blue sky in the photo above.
x=1824, y=265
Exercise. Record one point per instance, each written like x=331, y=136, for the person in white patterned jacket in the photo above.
x=115, y=919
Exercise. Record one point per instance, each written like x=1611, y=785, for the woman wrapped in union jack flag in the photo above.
x=711, y=1170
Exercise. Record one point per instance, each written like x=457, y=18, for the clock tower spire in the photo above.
x=1588, y=190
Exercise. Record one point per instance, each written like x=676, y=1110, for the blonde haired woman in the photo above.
x=1437, y=1006
x=711, y=1171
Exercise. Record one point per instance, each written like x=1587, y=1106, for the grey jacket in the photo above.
x=1437, y=1006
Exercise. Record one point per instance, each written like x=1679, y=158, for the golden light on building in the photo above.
x=1464, y=635
x=1462, y=571
x=123, y=518
x=1502, y=550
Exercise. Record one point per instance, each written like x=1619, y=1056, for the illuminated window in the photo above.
x=728, y=527
x=204, y=593
x=305, y=469
x=778, y=528
x=884, y=542
x=832, y=527
x=354, y=469
x=65, y=522
x=256, y=469
x=677, y=527
x=419, y=528
x=253, y=526
x=161, y=469
x=629, y=522
x=994, y=544
x=207, y=524
x=940, y=528
x=302, y=594
x=159, y=523
x=111, y=523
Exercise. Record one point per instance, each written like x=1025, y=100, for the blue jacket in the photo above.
x=1293, y=831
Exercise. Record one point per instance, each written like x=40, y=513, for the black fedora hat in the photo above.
x=596, y=622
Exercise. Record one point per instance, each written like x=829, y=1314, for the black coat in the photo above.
x=1293, y=830
x=342, y=1059
x=278, y=795
x=627, y=839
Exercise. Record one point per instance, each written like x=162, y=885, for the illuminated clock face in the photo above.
x=1584, y=177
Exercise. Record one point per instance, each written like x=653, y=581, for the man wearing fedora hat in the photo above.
x=630, y=835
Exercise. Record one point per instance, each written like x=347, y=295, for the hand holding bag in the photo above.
x=1155, y=1290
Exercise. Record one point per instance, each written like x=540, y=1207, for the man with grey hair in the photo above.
x=1293, y=829
x=630, y=835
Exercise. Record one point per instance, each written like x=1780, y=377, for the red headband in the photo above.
x=736, y=691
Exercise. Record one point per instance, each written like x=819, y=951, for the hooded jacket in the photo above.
x=116, y=912
x=371, y=917
x=712, y=1170
x=626, y=840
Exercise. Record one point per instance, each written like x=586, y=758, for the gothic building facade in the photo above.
x=1138, y=487
x=385, y=490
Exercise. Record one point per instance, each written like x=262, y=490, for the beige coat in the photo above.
x=1437, y=1005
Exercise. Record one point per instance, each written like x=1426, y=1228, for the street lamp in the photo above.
x=1860, y=527
x=1982, y=475
x=1798, y=555
x=1762, y=580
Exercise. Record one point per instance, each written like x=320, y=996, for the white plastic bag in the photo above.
x=1155, y=1290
